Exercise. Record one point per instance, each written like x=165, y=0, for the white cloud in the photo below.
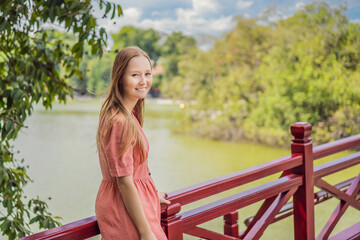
x=244, y=4
x=164, y=25
x=156, y=13
x=355, y=21
x=194, y=24
x=131, y=16
x=300, y=6
x=193, y=21
x=205, y=6
x=189, y=23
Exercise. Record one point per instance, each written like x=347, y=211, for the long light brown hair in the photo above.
x=113, y=110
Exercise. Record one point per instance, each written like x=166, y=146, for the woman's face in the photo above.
x=137, y=79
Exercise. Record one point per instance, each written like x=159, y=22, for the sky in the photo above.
x=205, y=18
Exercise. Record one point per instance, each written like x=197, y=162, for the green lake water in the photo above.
x=59, y=146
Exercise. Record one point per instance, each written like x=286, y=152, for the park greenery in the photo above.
x=35, y=67
x=251, y=85
x=257, y=79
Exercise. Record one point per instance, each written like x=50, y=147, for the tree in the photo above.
x=173, y=48
x=257, y=80
x=30, y=63
x=98, y=75
x=146, y=39
x=77, y=82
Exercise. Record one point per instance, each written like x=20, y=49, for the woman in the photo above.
x=127, y=204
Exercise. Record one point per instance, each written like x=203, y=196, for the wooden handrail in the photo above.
x=336, y=146
x=221, y=184
x=337, y=165
x=297, y=180
x=78, y=230
x=319, y=197
x=240, y=200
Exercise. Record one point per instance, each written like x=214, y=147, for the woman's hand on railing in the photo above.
x=162, y=197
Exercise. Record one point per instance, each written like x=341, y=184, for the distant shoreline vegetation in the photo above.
x=257, y=79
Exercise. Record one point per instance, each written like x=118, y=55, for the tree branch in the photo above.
x=13, y=120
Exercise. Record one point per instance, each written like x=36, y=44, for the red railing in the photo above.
x=297, y=180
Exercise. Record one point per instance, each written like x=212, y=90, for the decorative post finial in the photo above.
x=301, y=132
x=171, y=222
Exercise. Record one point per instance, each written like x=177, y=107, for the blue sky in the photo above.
x=205, y=17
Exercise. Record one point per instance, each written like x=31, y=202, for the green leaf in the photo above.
x=108, y=7
x=3, y=26
x=21, y=172
x=34, y=219
x=6, y=177
x=4, y=202
x=9, y=207
x=77, y=47
x=83, y=36
x=5, y=225
x=45, y=14
x=8, y=125
x=12, y=235
x=94, y=49
x=119, y=10
x=86, y=20
x=17, y=95
x=102, y=32
x=74, y=5
x=52, y=225
x=113, y=13
x=45, y=223
x=52, y=14
x=68, y=23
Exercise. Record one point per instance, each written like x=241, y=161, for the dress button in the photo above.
x=149, y=173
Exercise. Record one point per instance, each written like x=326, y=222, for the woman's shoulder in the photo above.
x=118, y=118
x=120, y=121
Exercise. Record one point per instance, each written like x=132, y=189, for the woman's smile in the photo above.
x=137, y=80
x=141, y=89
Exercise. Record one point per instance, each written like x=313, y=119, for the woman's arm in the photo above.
x=134, y=207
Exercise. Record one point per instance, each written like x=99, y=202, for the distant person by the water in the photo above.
x=127, y=204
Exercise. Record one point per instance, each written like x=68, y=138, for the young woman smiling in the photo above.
x=127, y=204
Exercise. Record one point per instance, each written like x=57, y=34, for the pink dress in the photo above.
x=113, y=219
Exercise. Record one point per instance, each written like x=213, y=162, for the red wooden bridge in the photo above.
x=297, y=179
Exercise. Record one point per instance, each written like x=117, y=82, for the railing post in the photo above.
x=171, y=223
x=304, y=197
x=231, y=226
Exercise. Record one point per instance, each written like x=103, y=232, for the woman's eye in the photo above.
x=135, y=75
x=148, y=74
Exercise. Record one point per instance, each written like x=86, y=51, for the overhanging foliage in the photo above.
x=30, y=64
